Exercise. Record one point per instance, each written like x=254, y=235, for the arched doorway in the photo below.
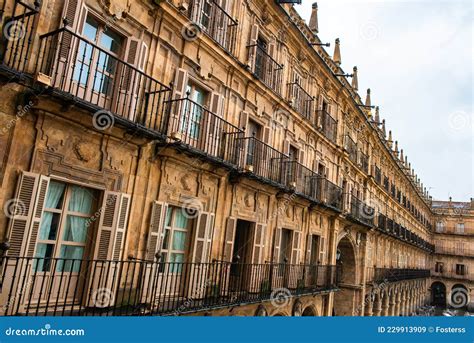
x=344, y=300
x=309, y=312
x=438, y=294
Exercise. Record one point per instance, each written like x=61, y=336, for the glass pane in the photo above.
x=176, y=261
x=166, y=239
x=180, y=221
x=72, y=256
x=81, y=200
x=179, y=241
x=44, y=253
x=111, y=41
x=90, y=29
x=168, y=216
x=55, y=196
x=49, y=226
x=76, y=229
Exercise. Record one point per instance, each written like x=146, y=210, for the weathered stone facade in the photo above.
x=253, y=134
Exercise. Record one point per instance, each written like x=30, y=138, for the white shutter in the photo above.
x=37, y=214
x=229, y=239
x=253, y=47
x=200, y=238
x=258, y=244
x=309, y=240
x=296, y=247
x=180, y=84
x=322, y=250
x=243, y=120
x=157, y=229
x=277, y=245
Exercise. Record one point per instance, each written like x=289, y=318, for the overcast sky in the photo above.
x=417, y=58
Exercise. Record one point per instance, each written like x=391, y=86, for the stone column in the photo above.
x=378, y=306
x=369, y=307
x=397, y=303
x=385, y=305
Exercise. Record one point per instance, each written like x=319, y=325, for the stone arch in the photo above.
x=298, y=309
x=438, y=294
x=346, y=299
x=310, y=311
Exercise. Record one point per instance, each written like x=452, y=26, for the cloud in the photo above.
x=416, y=56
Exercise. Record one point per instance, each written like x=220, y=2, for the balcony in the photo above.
x=362, y=212
x=265, y=68
x=394, y=275
x=85, y=74
x=378, y=175
x=198, y=128
x=301, y=179
x=454, y=251
x=364, y=162
x=67, y=287
x=215, y=21
x=300, y=100
x=452, y=275
x=327, y=125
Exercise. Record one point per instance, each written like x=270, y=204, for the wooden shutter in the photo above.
x=107, y=223
x=217, y=102
x=121, y=228
x=277, y=245
x=253, y=49
x=37, y=214
x=229, y=239
x=157, y=229
x=266, y=135
x=296, y=247
x=180, y=84
x=200, y=238
x=322, y=250
x=243, y=120
x=309, y=241
x=286, y=147
x=143, y=57
x=210, y=236
x=301, y=157
x=258, y=244
x=72, y=12
x=21, y=208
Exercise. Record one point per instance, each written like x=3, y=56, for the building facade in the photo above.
x=198, y=158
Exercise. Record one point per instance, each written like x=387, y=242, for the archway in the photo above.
x=345, y=299
x=438, y=294
x=309, y=312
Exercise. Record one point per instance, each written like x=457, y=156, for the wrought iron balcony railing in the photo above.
x=395, y=274
x=329, y=193
x=454, y=251
x=300, y=100
x=364, y=162
x=215, y=21
x=362, y=212
x=195, y=126
x=263, y=160
x=87, y=74
x=327, y=125
x=265, y=68
x=298, y=177
x=378, y=175
x=68, y=287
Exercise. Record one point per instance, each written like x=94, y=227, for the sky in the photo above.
x=417, y=58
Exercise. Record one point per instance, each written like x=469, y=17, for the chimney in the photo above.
x=337, y=53
x=355, y=80
x=313, y=21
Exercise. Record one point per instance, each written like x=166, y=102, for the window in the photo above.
x=460, y=228
x=65, y=230
x=439, y=267
x=460, y=269
x=176, y=240
x=293, y=153
x=439, y=226
x=261, y=58
x=193, y=111
x=95, y=69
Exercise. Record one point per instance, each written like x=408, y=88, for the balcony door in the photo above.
x=254, y=131
x=64, y=241
x=192, y=114
x=95, y=76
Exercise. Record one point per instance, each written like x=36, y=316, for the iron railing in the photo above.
x=86, y=73
x=215, y=21
x=454, y=251
x=329, y=193
x=17, y=36
x=298, y=177
x=362, y=212
x=195, y=126
x=68, y=287
x=378, y=175
x=395, y=274
x=300, y=100
x=262, y=160
x=364, y=162
x=265, y=68
x=327, y=125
